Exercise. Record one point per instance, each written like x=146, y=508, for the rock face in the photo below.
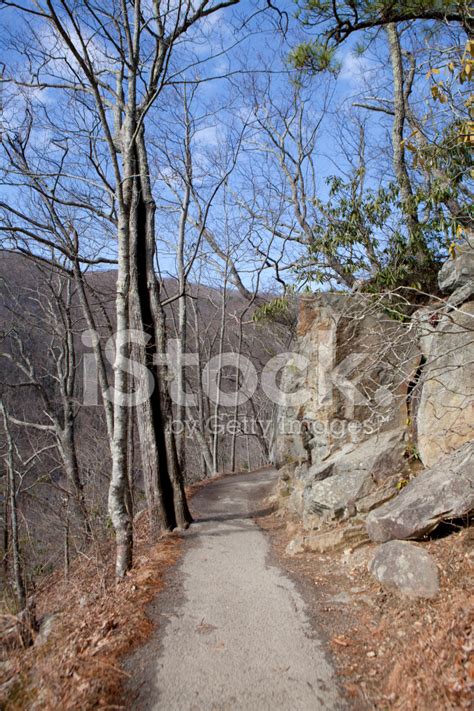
x=363, y=391
x=345, y=437
x=358, y=363
x=405, y=569
x=445, y=417
x=441, y=493
x=47, y=626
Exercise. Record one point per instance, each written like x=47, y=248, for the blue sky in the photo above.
x=230, y=54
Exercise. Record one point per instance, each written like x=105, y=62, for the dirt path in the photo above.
x=233, y=629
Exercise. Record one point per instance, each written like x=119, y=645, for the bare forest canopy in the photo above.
x=172, y=177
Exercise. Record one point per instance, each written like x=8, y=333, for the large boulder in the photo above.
x=446, y=491
x=405, y=569
x=445, y=416
x=459, y=271
x=333, y=488
x=461, y=294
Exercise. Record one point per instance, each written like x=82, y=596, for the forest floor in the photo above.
x=390, y=652
x=89, y=623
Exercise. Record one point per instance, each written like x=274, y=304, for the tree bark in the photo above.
x=163, y=413
x=16, y=558
x=98, y=353
x=158, y=488
x=398, y=126
x=118, y=512
x=65, y=429
x=182, y=336
x=199, y=428
x=182, y=283
x=215, y=441
x=67, y=445
x=236, y=398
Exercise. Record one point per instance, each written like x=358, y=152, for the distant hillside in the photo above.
x=31, y=321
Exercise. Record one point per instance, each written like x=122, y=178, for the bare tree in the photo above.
x=141, y=43
x=12, y=497
x=57, y=388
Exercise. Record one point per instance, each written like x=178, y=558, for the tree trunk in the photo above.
x=261, y=434
x=215, y=441
x=68, y=453
x=163, y=413
x=117, y=490
x=98, y=353
x=181, y=408
x=236, y=399
x=66, y=540
x=205, y=451
x=16, y=558
x=6, y=542
x=201, y=430
x=182, y=302
x=417, y=240
x=130, y=502
x=182, y=512
x=158, y=489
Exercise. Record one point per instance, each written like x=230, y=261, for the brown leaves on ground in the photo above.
x=436, y=668
x=392, y=653
x=341, y=641
x=98, y=621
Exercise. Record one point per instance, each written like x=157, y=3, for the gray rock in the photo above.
x=334, y=539
x=461, y=294
x=445, y=416
x=378, y=497
x=405, y=569
x=425, y=321
x=359, y=364
x=441, y=493
x=354, y=472
x=459, y=271
x=295, y=547
x=47, y=625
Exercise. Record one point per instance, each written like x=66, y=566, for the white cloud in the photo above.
x=208, y=136
x=355, y=69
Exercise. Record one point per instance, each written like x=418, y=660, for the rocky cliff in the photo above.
x=445, y=417
x=345, y=433
x=373, y=403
